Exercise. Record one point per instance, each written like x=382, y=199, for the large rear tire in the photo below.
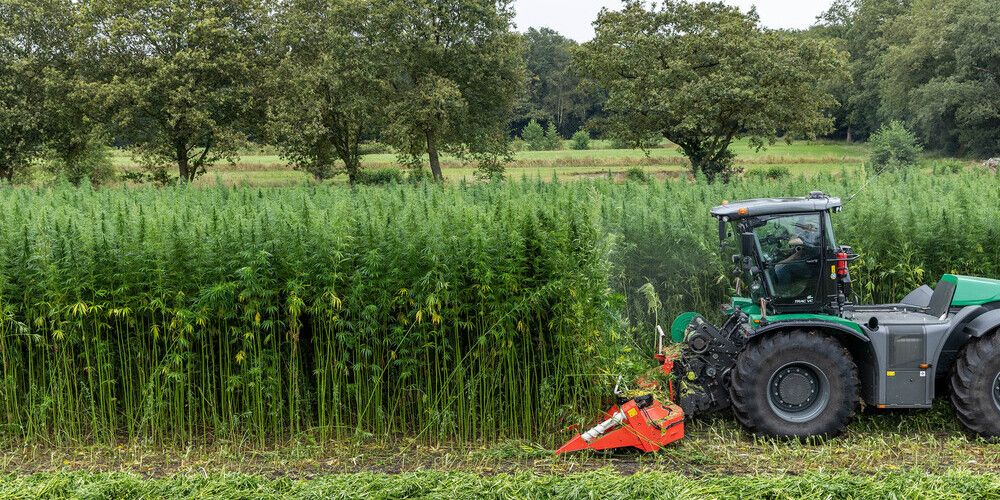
x=975, y=386
x=795, y=385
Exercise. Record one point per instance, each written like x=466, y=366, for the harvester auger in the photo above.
x=796, y=357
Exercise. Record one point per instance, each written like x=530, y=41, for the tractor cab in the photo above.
x=788, y=253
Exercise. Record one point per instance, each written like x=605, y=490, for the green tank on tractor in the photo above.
x=796, y=357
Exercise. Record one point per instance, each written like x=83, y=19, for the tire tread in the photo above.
x=746, y=377
x=976, y=412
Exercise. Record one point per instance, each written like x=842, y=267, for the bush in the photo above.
x=553, y=141
x=894, y=147
x=379, y=176
x=771, y=173
x=581, y=140
x=534, y=136
x=946, y=167
x=86, y=158
x=418, y=175
x=637, y=174
x=648, y=142
x=375, y=148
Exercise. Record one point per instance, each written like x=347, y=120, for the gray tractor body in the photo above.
x=799, y=282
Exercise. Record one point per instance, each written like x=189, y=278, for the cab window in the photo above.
x=790, y=249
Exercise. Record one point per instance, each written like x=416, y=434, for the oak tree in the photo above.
x=179, y=77
x=459, y=70
x=705, y=74
x=329, y=86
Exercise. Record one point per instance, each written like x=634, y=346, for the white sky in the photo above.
x=573, y=18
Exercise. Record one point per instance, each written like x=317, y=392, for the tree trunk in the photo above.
x=352, y=165
x=180, y=150
x=850, y=138
x=432, y=152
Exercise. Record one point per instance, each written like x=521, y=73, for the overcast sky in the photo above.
x=573, y=18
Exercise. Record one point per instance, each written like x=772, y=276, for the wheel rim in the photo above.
x=798, y=391
x=996, y=391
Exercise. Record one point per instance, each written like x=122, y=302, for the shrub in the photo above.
x=893, y=147
x=418, y=175
x=581, y=140
x=772, y=173
x=534, y=136
x=946, y=167
x=553, y=141
x=648, y=142
x=82, y=158
x=378, y=176
x=375, y=148
x=637, y=174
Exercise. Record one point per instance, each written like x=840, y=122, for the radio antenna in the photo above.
x=865, y=185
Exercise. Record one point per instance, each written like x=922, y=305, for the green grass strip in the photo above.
x=605, y=484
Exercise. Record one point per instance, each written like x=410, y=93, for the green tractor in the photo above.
x=795, y=357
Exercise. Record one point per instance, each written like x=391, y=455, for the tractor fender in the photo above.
x=811, y=325
x=857, y=344
x=984, y=323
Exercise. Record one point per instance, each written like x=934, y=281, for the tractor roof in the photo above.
x=817, y=201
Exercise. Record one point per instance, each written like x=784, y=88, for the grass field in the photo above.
x=801, y=157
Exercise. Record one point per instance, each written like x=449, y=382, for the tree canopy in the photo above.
x=705, y=74
x=179, y=78
x=556, y=93
x=460, y=73
x=858, y=27
x=46, y=97
x=330, y=84
x=183, y=84
x=21, y=92
x=942, y=74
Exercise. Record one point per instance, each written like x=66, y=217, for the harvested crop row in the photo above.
x=432, y=484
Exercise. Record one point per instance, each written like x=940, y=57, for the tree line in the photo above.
x=932, y=64
x=185, y=84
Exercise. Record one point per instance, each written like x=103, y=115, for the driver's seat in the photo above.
x=940, y=301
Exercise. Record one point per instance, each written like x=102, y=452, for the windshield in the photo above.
x=790, y=248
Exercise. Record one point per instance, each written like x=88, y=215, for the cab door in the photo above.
x=792, y=250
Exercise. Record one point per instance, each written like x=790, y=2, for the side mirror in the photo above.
x=748, y=245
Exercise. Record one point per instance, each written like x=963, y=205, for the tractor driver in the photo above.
x=794, y=273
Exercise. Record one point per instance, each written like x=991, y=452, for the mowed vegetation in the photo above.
x=464, y=313
x=446, y=485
